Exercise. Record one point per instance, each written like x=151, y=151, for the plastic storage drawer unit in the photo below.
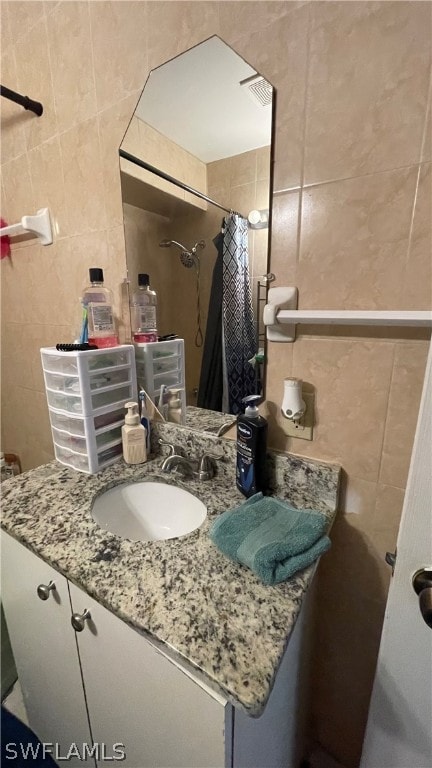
x=86, y=392
x=162, y=363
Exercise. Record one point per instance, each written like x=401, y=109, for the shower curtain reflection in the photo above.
x=227, y=372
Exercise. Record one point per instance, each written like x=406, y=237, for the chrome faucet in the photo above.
x=219, y=431
x=225, y=427
x=201, y=469
x=177, y=462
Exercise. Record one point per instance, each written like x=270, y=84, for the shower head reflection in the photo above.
x=169, y=243
x=188, y=257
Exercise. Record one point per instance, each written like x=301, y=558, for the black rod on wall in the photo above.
x=167, y=177
x=23, y=101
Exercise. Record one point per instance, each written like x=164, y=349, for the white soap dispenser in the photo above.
x=174, y=406
x=133, y=436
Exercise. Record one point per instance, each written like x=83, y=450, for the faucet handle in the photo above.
x=205, y=465
x=225, y=427
x=215, y=456
x=174, y=450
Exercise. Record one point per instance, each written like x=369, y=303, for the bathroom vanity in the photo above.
x=173, y=651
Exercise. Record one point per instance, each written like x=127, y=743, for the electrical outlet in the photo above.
x=302, y=429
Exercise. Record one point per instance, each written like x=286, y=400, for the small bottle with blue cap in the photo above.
x=251, y=448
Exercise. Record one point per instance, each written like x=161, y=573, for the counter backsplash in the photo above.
x=288, y=475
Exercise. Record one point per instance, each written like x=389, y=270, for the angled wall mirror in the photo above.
x=195, y=162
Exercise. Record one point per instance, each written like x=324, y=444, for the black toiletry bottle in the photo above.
x=251, y=448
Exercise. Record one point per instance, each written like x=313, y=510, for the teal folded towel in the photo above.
x=270, y=537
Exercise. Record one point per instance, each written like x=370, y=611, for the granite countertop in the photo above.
x=182, y=593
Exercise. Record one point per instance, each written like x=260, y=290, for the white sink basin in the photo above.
x=148, y=511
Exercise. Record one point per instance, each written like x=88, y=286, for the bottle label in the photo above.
x=104, y=342
x=145, y=338
x=93, y=296
x=134, y=450
x=244, y=430
x=100, y=317
x=147, y=317
x=251, y=458
x=136, y=437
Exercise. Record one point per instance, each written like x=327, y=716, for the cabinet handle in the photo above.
x=78, y=620
x=43, y=590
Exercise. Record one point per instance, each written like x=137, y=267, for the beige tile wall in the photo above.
x=357, y=234
x=351, y=227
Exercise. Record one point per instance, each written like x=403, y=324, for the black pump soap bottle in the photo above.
x=251, y=448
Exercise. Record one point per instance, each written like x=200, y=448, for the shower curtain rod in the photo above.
x=181, y=184
x=23, y=101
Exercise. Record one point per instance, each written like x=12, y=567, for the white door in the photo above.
x=138, y=698
x=399, y=729
x=44, y=647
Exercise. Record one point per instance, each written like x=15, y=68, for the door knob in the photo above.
x=390, y=558
x=422, y=583
x=78, y=620
x=43, y=590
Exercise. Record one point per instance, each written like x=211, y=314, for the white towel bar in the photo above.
x=281, y=316
x=39, y=225
x=354, y=317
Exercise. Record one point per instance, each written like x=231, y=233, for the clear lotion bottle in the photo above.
x=133, y=436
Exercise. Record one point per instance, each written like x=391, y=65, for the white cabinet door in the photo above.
x=44, y=647
x=277, y=738
x=139, y=698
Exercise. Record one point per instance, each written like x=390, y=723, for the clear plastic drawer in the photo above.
x=72, y=384
x=71, y=403
x=80, y=444
x=79, y=426
x=85, y=463
x=90, y=360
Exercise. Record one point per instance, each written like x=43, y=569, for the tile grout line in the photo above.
x=386, y=415
x=414, y=206
x=25, y=29
x=98, y=126
x=70, y=128
x=300, y=206
x=56, y=110
x=411, y=228
x=302, y=171
x=93, y=60
x=427, y=114
x=312, y=185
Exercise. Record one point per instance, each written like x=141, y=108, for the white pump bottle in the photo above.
x=133, y=436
